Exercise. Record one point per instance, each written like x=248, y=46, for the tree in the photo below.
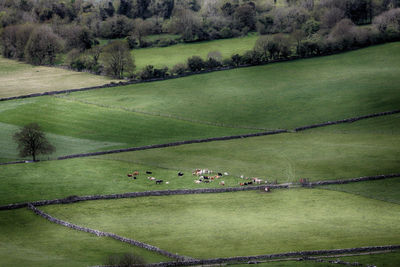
x=117, y=59
x=43, y=46
x=32, y=141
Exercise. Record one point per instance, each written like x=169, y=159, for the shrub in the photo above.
x=179, y=68
x=195, y=63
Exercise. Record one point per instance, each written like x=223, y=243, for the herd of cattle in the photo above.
x=203, y=176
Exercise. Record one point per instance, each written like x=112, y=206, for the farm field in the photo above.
x=215, y=104
x=17, y=78
x=240, y=101
x=367, y=147
x=179, y=53
x=318, y=89
x=243, y=223
x=29, y=240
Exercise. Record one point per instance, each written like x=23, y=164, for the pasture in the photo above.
x=243, y=223
x=282, y=95
x=29, y=240
x=367, y=147
x=215, y=104
x=318, y=89
x=18, y=78
x=179, y=53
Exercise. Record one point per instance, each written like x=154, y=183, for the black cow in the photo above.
x=180, y=173
x=147, y=172
x=219, y=174
x=159, y=181
x=134, y=177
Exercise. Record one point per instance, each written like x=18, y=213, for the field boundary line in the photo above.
x=352, y=180
x=73, y=199
x=304, y=255
x=348, y=120
x=223, y=138
x=107, y=234
x=179, y=143
x=159, y=114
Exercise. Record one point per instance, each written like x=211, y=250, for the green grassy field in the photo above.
x=318, y=89
x=78, y=127
x=386, y=190
x=17, y=78
x=29, y=240
x=334, y=152
x=243, y=223
x=171, y=55
x=367, y=147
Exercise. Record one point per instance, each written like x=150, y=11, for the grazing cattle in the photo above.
x=151, y=178
x=225, y=173
x=206, y=181
x=135, y=173
x=257, y=180
x=180, y=173
x=241, y=176
x=147, y=172
x=219, y=174
x=159, y=181
x=129, y=175
x=197, y=181
x=134, y=177
x=222, y=183
x=249, y=182
x=242, y=184
x=166, y=182
x=205, y=177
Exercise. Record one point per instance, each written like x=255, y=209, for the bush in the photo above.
x=195, y=63
x=179, y=68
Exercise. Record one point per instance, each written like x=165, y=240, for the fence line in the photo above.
x=73, y=199
x=107, y=234
x=349, y=120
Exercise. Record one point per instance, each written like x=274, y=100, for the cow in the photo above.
x=197, y=181
x=159, y=181
x=151, y=178
x=129, y=175
x=180, y=173
x=219, y=174
x=222, y=183
x=134, y=177
x=148, y=172
x=135, y=173
x=225, y=173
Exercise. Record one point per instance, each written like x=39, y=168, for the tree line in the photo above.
x=38, y=31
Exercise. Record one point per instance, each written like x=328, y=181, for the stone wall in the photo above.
x=73, y=199
x=349, y=120
x=353, y=180
x=179, y=143
x=100, y=233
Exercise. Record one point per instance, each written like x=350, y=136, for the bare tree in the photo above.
x=32, y=141
x=117, y=59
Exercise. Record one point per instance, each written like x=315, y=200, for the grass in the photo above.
x=318, y=89
x=171, y=55
x=84, y=127
x=29, y=240
x=368, y=147
x=243, y=223
x=334, y=152
x=17, y=78
x=386, y=190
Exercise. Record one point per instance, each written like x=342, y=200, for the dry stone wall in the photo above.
x=73, y=199
x=100, y=233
